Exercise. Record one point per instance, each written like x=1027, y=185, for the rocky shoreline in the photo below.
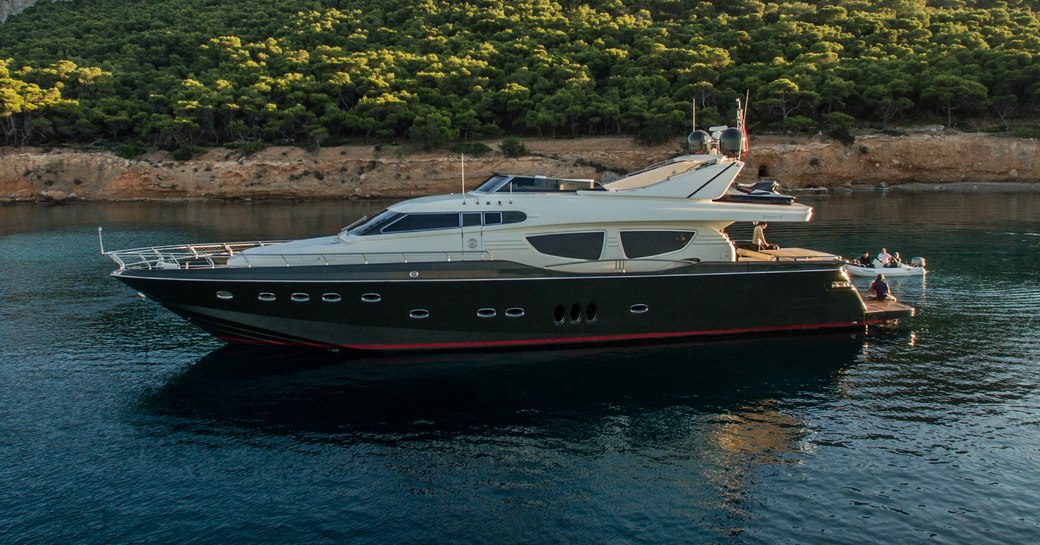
x=925, y=159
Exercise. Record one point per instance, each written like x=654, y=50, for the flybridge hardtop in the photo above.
x=518, y=261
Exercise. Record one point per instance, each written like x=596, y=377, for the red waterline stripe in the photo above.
x=551, y=341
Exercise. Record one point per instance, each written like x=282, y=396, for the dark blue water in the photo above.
x=119, y=423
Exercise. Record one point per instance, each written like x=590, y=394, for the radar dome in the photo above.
x=731, y=142
x=700, y=142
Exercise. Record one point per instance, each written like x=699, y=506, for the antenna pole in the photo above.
x=101, y=241
x=463, y=155
x=694, y=120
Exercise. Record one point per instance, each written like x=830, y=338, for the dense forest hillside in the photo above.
x=180, y=73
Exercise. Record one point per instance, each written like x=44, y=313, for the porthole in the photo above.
x=575, y=313
x=639, y=308
x=514, y=312
x=590, y=312
x=559, y=314
x=300, y=297
x=419, y=313
x=487, y=313
x=225, y=295
x=266, y=296
x=331, y=298
x=371, y=298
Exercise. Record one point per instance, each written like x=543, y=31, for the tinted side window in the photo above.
x=513, y=217
x=534, y=185
x=572, y=245
x=648, y=243
x=423, y=222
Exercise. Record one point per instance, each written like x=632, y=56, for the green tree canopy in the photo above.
x=187, y=72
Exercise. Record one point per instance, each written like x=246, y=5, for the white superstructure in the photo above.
x=665, y=214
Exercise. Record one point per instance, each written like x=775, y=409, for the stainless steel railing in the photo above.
x=217, y=255
x=184, y=256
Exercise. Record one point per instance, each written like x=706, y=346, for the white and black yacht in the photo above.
x=520, y=261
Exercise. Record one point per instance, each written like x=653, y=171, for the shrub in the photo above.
x=183, y=153
x=475, y=149
x=842, y=134
x=249, y=148
x=1027, y=132
x=130, y=150
x=513, y=147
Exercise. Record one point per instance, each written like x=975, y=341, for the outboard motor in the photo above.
x=917, y=262
x=731, y=142
x=700, y=142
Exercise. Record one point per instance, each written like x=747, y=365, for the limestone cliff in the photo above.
x=928, y=156
x=932, y=157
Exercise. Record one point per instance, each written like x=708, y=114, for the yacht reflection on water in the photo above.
x=289, y=392
x=720, y=410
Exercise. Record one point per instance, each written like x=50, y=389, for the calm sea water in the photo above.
x=119, y=423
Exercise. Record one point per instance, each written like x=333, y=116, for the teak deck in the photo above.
x=887, y=310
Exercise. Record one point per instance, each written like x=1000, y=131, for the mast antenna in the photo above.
x=694, y=120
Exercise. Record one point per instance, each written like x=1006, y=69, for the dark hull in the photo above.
x=486, y=305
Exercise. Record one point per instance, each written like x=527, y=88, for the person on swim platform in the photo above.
x=879, y=289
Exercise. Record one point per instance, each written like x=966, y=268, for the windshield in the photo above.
x=374, y=224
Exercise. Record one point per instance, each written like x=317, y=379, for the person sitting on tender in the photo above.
x=884, y=257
